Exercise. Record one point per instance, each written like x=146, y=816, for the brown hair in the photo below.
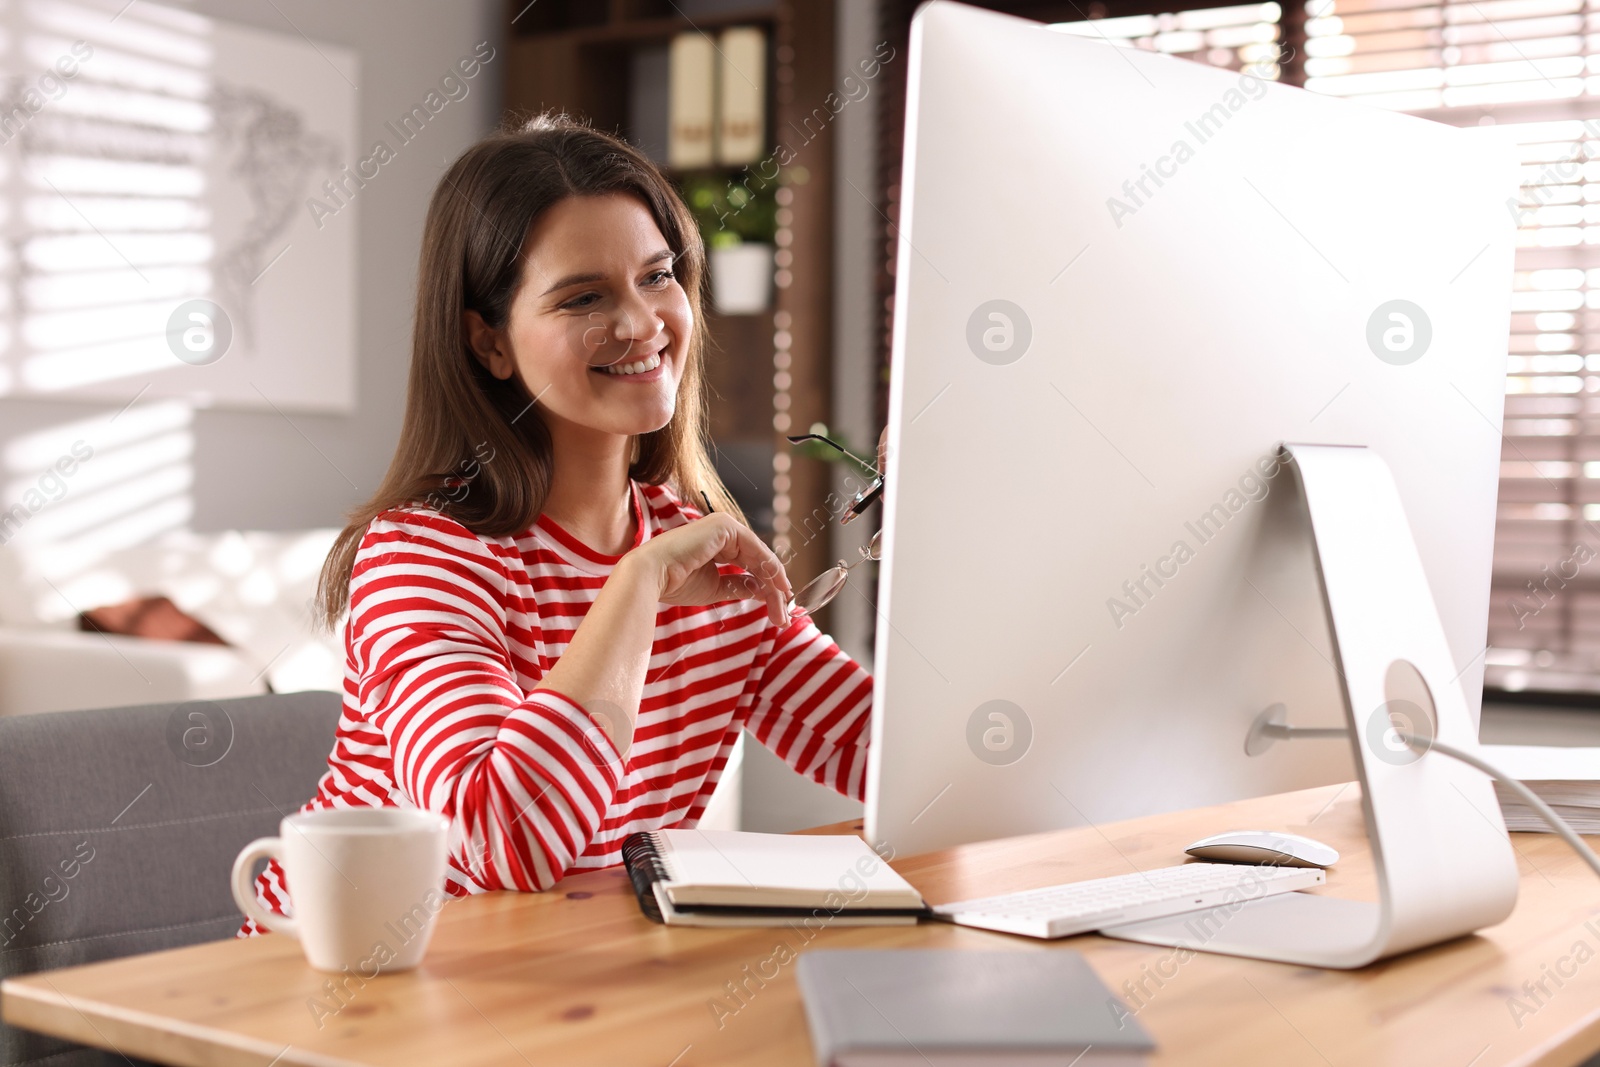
x=472, y=259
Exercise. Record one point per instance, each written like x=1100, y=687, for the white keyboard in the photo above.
x=1078, y=907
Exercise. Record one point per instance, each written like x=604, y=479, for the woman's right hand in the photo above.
x=684, y=562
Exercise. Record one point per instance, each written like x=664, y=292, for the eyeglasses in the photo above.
x=867, y=496
x=824, y=587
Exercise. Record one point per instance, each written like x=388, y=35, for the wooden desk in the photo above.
x=577, y=976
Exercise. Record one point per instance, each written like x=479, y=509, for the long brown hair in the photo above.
x=457, y=413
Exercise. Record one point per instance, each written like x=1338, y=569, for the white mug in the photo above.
x=366, y=885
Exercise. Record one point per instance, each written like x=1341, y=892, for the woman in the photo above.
x=547, y=641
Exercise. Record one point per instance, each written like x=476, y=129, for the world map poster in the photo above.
x=158, y=171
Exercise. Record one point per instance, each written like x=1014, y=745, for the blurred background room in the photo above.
x=211, y=218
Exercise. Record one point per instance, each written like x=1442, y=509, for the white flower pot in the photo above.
x=741, y=278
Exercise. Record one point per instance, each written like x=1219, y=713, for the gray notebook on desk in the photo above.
x=953, y=1008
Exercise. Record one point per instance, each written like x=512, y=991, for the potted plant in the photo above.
x=739, y=225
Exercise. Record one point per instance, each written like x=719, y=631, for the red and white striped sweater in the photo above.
x=449, y=634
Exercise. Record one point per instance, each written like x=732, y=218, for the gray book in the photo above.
x=954, y=1008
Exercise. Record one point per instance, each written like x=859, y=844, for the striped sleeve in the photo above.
x=813, y=706
x=526, y=778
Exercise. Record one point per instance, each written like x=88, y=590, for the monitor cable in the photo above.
x=1559, y=825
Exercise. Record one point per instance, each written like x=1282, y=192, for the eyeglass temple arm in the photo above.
x=868, y=498
x=803, y=437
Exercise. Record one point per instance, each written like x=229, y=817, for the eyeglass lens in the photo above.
x=825, y=586
x=821, y=589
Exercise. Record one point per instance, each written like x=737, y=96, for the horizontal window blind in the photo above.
x=1246, y=35
x=106, y=230
x=1532, y=68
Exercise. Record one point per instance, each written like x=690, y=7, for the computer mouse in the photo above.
x=1264, y=846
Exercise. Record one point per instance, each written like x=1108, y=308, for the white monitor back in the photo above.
x=1154, y=342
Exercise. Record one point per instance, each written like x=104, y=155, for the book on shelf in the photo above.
x=741, y=96
x=717, y=98
x=691, y=101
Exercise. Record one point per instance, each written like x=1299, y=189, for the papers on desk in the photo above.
x=1567, y=779
x=1576, y=802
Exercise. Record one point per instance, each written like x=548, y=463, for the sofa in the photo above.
x=254, y=589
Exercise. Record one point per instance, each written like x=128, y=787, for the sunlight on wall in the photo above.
x=110, y=184
x=135, y=483
x=102, y=194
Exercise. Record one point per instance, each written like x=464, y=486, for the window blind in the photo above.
x=1531, y=67
x=103, y=163
x=1232, y=37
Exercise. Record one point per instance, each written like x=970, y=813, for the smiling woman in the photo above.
x=560, y=649
x=625, y=321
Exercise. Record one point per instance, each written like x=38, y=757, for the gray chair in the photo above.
x=118, y=830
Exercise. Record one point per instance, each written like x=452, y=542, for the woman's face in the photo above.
x=599, y=330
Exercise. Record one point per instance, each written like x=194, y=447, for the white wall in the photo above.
x=269, y=471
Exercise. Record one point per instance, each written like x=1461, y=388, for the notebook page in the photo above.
x=736, y=858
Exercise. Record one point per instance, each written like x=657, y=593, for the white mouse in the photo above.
x=1264, y=846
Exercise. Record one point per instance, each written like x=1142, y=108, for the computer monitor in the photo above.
x=1124, y=279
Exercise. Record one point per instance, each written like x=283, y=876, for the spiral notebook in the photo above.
x=736, y=878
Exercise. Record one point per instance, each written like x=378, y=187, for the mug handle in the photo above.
x=244, y=893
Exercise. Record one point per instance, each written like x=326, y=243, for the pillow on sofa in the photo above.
x=153, y=617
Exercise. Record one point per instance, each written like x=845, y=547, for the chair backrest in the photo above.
x=118, y=828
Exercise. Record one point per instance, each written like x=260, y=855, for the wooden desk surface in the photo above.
x=578, y=976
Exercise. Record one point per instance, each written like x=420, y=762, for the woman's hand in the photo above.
x=684, y=562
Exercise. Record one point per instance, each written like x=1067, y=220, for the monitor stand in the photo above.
x=1443, y=863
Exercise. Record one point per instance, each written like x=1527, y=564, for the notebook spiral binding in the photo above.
x=641, y=855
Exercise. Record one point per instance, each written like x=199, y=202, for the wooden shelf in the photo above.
x=577, y=56
x=738, y=364
x=739, y=372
